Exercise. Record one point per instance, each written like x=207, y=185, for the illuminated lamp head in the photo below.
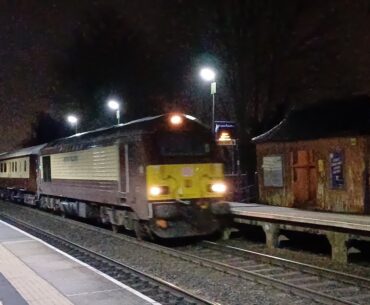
x=225, y=136
x=155, y=191
x=176, y=119
x=219, y=188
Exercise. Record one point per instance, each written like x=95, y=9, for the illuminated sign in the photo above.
x=225, y=132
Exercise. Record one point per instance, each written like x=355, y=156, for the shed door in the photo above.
x=304, y=178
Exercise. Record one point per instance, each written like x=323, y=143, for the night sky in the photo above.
x=58, y=57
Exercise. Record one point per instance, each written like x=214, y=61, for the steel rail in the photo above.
x=328, y=273
x=157, y=289
x=247, y=274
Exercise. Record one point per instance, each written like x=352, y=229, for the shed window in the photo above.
x=46, y=169
x=4, y=167
x=25, y=165
x=15, y=166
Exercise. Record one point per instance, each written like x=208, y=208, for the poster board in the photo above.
x=336, y=169
x=272, y=171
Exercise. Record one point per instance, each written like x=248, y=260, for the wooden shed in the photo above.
x=318, y=158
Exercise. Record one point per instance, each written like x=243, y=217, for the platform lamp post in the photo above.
x=73, y=120
x=114, y=105
x=209, y=75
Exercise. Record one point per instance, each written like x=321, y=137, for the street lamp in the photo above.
x=114, y=105
x=73, y=120
x=209, y=75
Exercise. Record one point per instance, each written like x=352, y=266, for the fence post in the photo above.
x=256, y=183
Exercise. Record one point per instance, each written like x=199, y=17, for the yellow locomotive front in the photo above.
x=185, y=188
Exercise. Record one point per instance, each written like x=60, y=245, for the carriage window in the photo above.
x=183, y=145
x=25, y=165
x=46, y=169
x=15, y=166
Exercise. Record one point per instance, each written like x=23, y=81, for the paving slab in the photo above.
x=8, y=294
x=34, y=273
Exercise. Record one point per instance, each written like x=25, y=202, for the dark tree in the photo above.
x=46, y=129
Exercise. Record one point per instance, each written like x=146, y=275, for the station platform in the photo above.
x=35, y=273
x=334, y=220
x=340, y=229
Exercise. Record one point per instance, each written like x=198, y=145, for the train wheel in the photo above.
x=142, y=231
x=114, y=228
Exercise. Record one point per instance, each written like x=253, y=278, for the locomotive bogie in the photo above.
x=30, y=199
x=118, y=217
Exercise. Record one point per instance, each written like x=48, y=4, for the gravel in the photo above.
x=320, y=260
x=206, y=282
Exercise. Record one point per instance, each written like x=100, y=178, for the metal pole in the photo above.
x=118, y=116
x=213, y=92
x=213, y=113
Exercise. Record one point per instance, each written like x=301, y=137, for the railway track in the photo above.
x=161, y=291
x=321, y=285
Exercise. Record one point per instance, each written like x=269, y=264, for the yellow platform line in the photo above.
x=34, y=289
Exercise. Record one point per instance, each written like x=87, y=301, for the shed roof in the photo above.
x=330, y=118
x=33, y=150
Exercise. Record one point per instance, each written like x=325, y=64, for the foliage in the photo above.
x=269, y=56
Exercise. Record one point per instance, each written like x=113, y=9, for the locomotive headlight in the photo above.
x=176, y=119
x=158, y=190
x=219, y=188
x=155, y=191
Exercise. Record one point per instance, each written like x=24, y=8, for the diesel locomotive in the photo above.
x=160, y=176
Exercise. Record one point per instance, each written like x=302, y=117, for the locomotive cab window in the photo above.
x=183, y=145
x=46, y=169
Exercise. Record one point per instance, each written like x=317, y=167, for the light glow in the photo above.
x=72, y=119
x=225, y=136
x=190, y=117
x=219, y=188
x=155, y=191
x=113, y=104
x=176, y=119
x=207, y=74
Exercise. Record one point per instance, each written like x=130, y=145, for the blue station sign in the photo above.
x=225, y=132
